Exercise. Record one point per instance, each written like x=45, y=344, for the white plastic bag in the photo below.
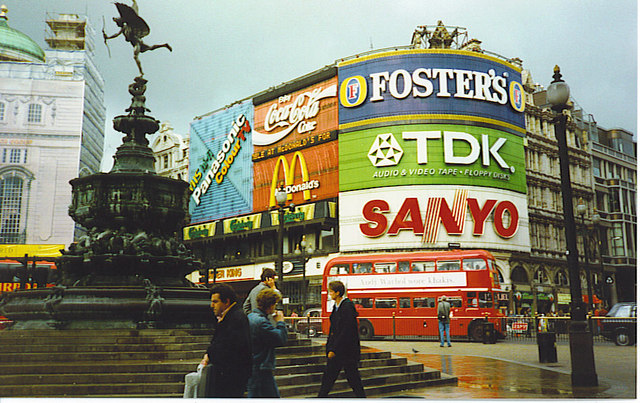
x=191, y=382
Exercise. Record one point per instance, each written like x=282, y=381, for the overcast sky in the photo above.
x=225, y=51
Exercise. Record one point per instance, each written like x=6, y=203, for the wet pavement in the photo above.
x=512, y=371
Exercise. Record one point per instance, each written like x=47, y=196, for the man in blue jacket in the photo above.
x=265, y=337
x=343, y=343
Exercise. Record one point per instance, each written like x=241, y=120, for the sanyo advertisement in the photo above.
x=220, y=167
x=410, y=85
x=411, y=217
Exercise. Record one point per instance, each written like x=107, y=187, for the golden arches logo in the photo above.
x=289, y=171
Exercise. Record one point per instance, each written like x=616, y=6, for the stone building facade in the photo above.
x=52, y=118
x=171, y=151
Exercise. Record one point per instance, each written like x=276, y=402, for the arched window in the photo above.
x=541, y=277
x=11, y=211
x=519, y=275
x=561, y=278
x=15, y=182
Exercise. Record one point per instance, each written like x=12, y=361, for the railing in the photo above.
x=512, y=328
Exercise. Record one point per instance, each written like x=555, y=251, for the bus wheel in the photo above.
x=475, y=331
x=366, y=330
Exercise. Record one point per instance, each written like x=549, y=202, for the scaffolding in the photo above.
x=68, y=32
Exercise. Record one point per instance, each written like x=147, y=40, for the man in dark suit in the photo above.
x=230, y=350
x=343, y=343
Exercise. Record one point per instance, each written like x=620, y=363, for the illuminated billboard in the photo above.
x=432, y=216
x=285, y=122
x=430, y=85
x=307, y=175
x=431, y=154
x=220, y=166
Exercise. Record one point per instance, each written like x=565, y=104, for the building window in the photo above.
x=11, y=189
x=14, y=156
x=561, y=279
x=541, y=277
x=2, y=109
x=35, y=113
x=165, y=161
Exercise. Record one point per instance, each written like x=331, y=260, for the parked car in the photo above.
x=310, y=322
x=620, y=324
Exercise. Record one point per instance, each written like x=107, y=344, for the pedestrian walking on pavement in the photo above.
x=265, y=337
x=343, y=343
x=267, y=280
x=230, y=350
x=444, y=310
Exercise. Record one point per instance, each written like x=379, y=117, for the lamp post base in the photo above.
x=583, y=368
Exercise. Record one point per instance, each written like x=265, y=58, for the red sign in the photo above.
x=520, y=326
x=307, y=175
x=410, y=217
x=296, y=116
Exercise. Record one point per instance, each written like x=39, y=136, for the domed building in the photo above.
x=16, y=46
x=52, y=119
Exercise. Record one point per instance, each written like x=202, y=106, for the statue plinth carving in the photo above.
x=129, y=269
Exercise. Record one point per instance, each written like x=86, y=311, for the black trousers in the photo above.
x=331, y=372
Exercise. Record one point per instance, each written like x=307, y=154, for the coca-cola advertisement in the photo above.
x=296, y=120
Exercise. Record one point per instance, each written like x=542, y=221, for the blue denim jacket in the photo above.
x=265, y=337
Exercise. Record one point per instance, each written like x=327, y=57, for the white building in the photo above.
x=172, y=153
x=52, y=119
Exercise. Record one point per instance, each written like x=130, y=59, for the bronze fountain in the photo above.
x=128, y=270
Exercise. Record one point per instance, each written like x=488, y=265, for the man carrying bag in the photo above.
x=444, y=310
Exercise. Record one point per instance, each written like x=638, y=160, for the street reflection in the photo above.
x=483, y=378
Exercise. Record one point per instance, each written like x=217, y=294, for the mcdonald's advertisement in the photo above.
x=430, y=84
x=220, y=167
x=432, y=154
x=433, y=216
x=283, y=124
x=307, y=175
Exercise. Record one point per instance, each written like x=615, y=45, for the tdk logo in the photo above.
x=385, y=151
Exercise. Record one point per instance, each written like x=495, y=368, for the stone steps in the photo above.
x=153, y=363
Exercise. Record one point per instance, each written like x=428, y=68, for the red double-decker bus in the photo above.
x=31, y=273
x=397, y=293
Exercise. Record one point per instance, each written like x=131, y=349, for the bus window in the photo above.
x=424, y=302
x=362, y=268
x=449, y=265
x=363, y=302
x=404, y=267
x=474, y=264
x=423, y=266
x=472, y=299
x=339, y=269
x=486, y=300
x=456, y=302
x=405, y=302
x=386, y=303
x=385, y=267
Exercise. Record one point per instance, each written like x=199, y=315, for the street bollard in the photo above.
x=488, y=333
x=547, y=347
x=394, y=326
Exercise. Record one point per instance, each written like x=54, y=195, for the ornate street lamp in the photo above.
x=583, y=371
x=305, y=252
x=582, y=210
x=281, y=199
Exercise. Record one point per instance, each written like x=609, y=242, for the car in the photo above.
x=310, y=322
x=619, y=325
